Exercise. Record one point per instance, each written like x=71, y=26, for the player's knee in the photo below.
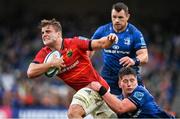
x=74, y=114
x=71, y=115
x=75, y=111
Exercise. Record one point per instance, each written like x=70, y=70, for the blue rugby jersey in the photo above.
x=146, y=106
x=129, y=41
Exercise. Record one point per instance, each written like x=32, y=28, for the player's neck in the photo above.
x=125, y=94
x=58, y=44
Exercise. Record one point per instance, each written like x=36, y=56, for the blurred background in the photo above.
x=20, y=40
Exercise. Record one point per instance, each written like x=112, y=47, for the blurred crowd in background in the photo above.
x=19, y=43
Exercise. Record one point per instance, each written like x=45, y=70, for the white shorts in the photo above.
x=92, y=103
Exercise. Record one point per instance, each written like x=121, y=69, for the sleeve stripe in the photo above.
x=36, y=62
x=133, y=101
x=90, y=47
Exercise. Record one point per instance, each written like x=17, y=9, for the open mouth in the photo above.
x=45, y=39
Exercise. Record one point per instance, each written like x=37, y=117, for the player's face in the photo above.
x=49, y=35
x=128, y=83
x=119, y=20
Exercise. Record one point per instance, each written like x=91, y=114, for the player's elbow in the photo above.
x=120, y=110
x=146, y=59
x=30, y=74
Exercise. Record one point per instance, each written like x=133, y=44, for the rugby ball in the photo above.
x=53, y=70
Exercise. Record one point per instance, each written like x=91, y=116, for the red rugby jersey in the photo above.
x=79, y=71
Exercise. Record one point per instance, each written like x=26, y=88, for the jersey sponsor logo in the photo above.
x=127, y=41
x=116, y=47
x=70, y=67
x=116, y=51
x=138, y=95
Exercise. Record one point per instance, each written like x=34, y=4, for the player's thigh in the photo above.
x=88, y=99
x=92, y=103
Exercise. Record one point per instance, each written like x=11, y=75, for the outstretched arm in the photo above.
x=103, y=42
x=117, y=105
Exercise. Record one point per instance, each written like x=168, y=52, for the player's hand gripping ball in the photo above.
x=53, y=70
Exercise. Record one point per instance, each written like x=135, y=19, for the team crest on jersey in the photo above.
x=127, y=41
x=138, y=95
x=69, y=53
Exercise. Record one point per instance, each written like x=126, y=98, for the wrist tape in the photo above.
x=136, y=61
x=102, y=91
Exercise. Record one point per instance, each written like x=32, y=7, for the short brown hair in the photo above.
x=126, y=71
x=56, y=24
x=120, y=6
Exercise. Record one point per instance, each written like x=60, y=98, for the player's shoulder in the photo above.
x=45, y=49
x=138, y=94
x=143, y=90
x=42, y=52
x=105, y=26
x=133, y=29
x=68, y=42
x=73, y=41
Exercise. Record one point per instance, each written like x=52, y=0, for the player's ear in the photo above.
x=59, y=34
x=128, y=16
x=119, y=83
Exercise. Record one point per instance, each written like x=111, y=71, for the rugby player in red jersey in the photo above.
x=75, y=67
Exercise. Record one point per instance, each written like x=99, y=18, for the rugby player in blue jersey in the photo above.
x=129, y=50
x=135, y=101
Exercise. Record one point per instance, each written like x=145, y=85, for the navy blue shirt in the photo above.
x=146, y=106
x=129, y=41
